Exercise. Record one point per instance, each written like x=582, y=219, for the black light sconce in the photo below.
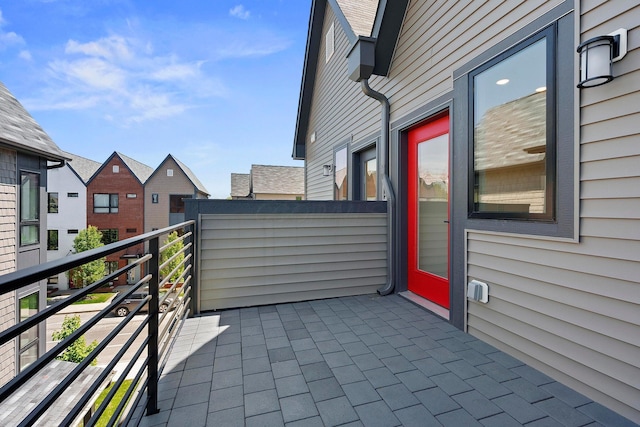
x=597, y=56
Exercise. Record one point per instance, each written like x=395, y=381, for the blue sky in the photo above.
x=213, y=82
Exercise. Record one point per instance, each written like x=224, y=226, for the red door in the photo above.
x=428, y=211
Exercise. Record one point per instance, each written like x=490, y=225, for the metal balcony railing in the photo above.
x=161, y=328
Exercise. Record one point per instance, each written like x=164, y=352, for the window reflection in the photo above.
x=341, y=175
x=510, y=133
x=371, y=179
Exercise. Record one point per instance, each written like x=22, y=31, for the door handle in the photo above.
x=446, y=221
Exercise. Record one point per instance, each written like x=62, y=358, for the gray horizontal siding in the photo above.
x=255, y=259
x=571, y=309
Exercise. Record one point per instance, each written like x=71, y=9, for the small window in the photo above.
x=169, y=172
x=72, y=194
x=116, y=169
x=132, y=195
x=513, y=133
x=329, y=43
x=29, y=208
x=53, y=203
x=52, y=280
x=341, y=175
x=132, y=230
x=154, y=198
x=72, y=231
x=109, y=235
x=52, y=240
x=105, y=203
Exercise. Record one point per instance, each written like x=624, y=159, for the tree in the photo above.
x=168, y=253
x=89, y=238
x=78, y=350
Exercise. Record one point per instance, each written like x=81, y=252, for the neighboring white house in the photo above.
x=67, y=209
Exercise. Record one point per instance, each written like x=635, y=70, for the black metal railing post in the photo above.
x=154, y=292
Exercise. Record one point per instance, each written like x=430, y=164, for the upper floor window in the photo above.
x=341, y=174
x=53, y=203
x=29, y=208
x=513, y=135
x=105, y=203
x=176, y=202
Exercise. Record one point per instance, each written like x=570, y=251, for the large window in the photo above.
x=53, y=203
x=341, y=174
x=105, y=203
x=513, y=134
x=28, y=341
x=176, y=202
x=29, y=208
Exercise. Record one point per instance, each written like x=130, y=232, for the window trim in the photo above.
x=29, y=222
x=548, y=33
x=566, y=226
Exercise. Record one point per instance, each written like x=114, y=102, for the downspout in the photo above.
x=387, y=187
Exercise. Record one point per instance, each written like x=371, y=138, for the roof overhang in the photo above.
x=383, y=40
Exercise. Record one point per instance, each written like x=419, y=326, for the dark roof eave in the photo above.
x=42, y=153
x=386, y=31
x=314, y=37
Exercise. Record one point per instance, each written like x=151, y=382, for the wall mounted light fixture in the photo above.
x=597, y=56
x=327, y=170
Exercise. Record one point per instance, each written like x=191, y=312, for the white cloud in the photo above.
x=112, y=48
x=91, y=73
x=239, y=12
x=25, y=54
x=125, y=81
x=8, y=39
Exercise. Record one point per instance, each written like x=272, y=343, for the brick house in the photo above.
x=115, y=205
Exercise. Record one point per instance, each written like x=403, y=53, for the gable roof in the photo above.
x=277, y=179
x=19, y=130
x=381, y=19
x=240, y=184
x=82, y=167
x=187, y=172
x=139, y=170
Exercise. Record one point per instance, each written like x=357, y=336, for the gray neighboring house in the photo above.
x=25, y=149
x=165, y=191
x=267, y=182
x=504, y=173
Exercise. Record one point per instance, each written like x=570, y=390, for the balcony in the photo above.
x=313, y=343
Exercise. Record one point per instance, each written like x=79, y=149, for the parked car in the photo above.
x=134, y=300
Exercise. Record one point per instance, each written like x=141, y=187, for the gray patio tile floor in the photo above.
x=364, y=360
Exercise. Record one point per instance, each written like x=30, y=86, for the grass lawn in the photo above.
x=108, y=412
x=95, y=298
